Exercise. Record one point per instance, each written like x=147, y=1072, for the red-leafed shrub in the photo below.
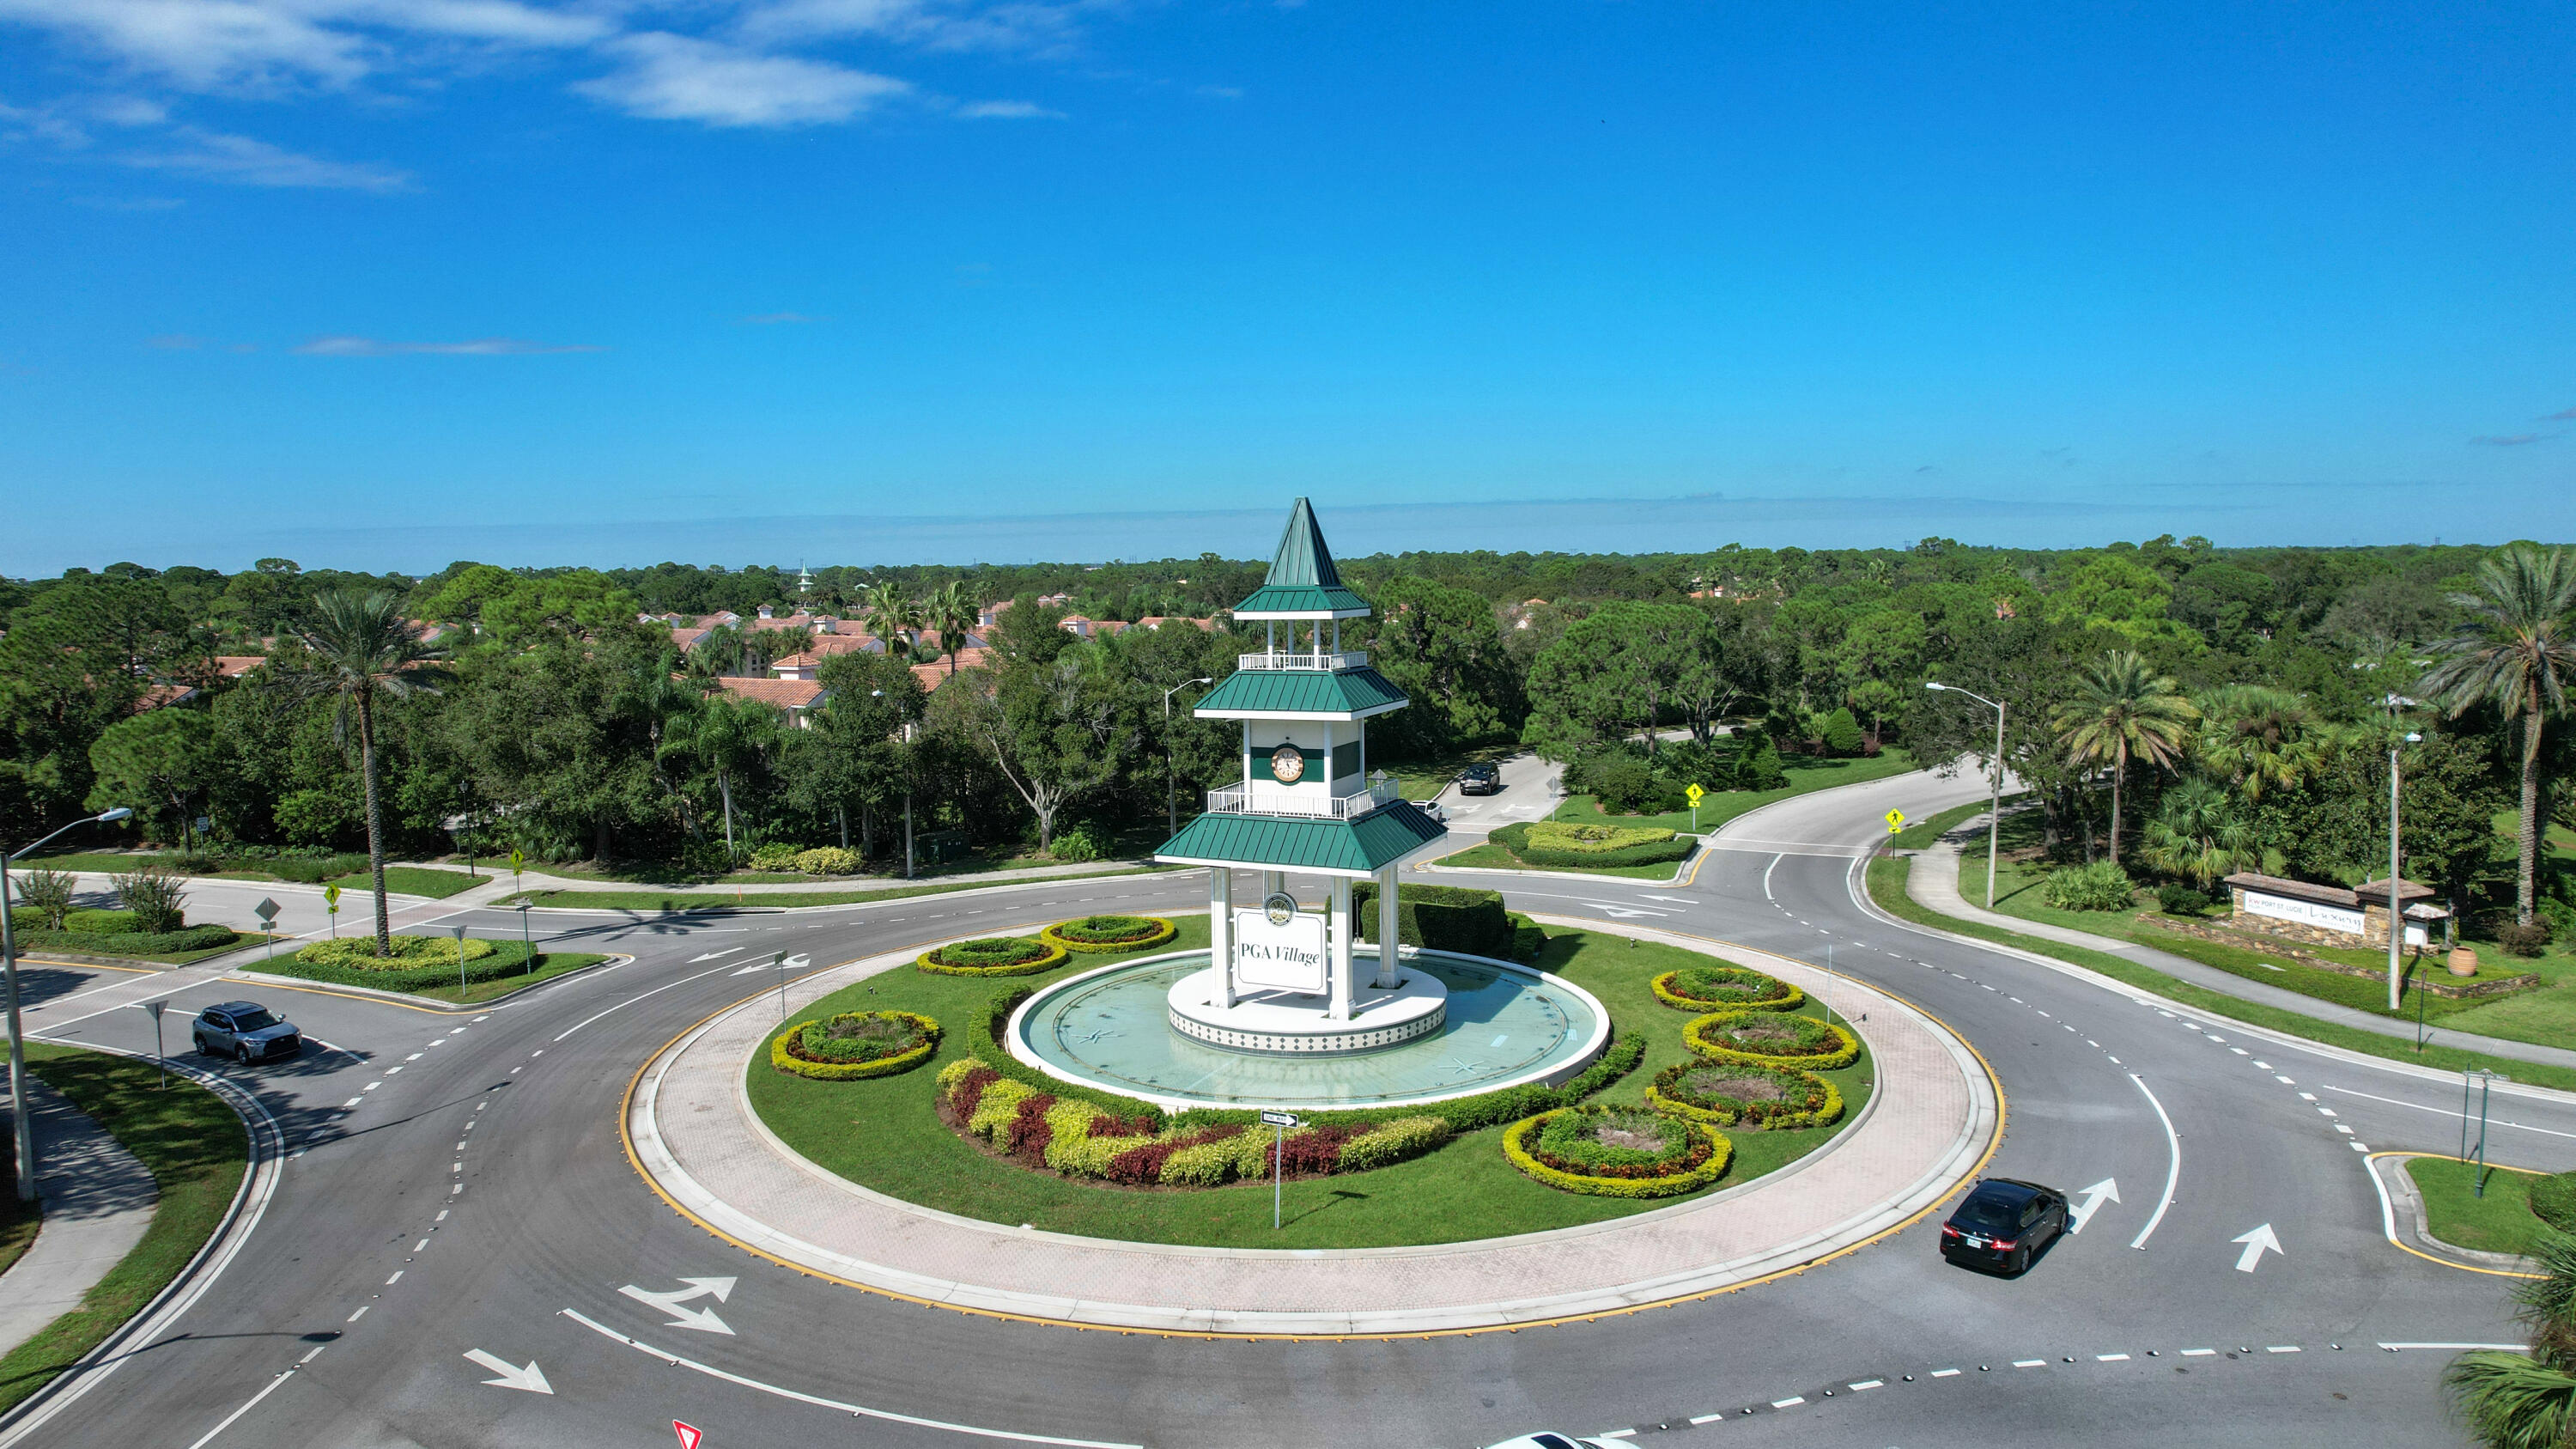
x=1315, y=1151
x=1145, y=1163
x=1105, y=1125
x=1029, y=1133
x=962, y=1099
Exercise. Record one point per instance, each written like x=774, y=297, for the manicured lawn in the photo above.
x=1496, y=857
x=196, y=1150
x=2544, y=1015
x=409, y=880
x=884, y=1133
x=2500, y=1222
x=1923, y=833
x=1805, y=774
x=1887, y=890
x=703, y=901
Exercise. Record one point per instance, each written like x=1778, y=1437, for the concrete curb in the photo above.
x=1681, y=868
x=1473, y=1266
x=419, y=1003
x=2406, y=1204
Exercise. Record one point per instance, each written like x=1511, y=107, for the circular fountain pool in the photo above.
x=1502, y=1025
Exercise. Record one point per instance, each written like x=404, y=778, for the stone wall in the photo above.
x=2429, y=977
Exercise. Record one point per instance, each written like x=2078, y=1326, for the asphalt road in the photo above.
x=458, y=1187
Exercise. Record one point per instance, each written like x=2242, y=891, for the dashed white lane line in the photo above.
x=2110, y=1358
x=2199, y=1353
x=396, y=1278
x=1706, y=1418
x=361, y=1313
x=1867, y=1384
x=1945, y=1373
x=244, y=1409
x=1789, y=1403
x=423, y=1243
x=2283, y=1348
x=2030, y=1363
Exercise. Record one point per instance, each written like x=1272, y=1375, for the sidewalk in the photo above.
x=1926, y=1127
x=1934, y=882
x=98, y=1200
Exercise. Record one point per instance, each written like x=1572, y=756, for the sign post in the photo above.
x=778, y=963
x=160, y=1057
x=1281, y=1121
x=1695, y=793
x=518, y=859
x=331, y=903
x=527, y=948
x=266, y=910
x=459, y=929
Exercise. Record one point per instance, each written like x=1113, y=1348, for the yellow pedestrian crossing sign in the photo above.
x=1895, y=821
x=1694, y=792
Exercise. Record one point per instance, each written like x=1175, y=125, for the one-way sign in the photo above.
x=1278, y=1119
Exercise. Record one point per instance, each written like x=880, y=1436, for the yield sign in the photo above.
x=689, y=1436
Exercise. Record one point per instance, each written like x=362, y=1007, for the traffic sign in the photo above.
x=1895, y=821
x=331, y=896
x=1694, y=793
x=689, y=1435
x=1278, y=1119
x=266, y=910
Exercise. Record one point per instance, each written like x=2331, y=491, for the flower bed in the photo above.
x=992, y=956
x=1725, y=988
x=1078, y=1139
x=1614, y=1151
x=1772, y=1039
x=1561, y=843
x=1108, y=933
x=855, y=1044
x=1731, y=1094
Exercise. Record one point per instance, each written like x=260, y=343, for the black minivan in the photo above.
x=2003, y=1223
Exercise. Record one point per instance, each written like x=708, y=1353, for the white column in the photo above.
x=1339, y=1007
x=1221, y=931
x=1273, y=882
x=1385, y=928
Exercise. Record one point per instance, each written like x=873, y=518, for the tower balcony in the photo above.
x=1246, y=800
x=1328, y=662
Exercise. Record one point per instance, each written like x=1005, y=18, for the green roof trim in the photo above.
x=1301, y=600
x=1343, y=694
x=1345, y=847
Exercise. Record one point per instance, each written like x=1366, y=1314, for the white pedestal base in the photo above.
x=1287, y=1024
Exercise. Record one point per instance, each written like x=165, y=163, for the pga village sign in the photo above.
x=1281, y=947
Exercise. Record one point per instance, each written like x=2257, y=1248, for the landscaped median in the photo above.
x=196, y=1150
x=1641, y=852
x=717, y=899
x=427, y=966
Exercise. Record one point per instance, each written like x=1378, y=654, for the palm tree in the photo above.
x=363, y=650
x=2516, y=651
x=2196, y=833
x=891, y=614
x=951, y=611
x=2261, y=737
x=2119, y=710
x=2528, y=1400
x=723, y=734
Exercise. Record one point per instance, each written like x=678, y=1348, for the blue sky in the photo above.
x=391, y=282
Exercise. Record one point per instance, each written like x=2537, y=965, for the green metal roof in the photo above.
x=1343, y=847
x=1302, y=580
x=1344, y=694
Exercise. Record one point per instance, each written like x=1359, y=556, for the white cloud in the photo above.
x=1007, y=111
x=264, y=45
x=930, y=24
x=679, y=78
x=343, y=346
x=247, y=161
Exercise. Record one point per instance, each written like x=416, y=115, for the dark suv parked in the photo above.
x=244, y=1030
x=2003, y=1223
x=1481, y=780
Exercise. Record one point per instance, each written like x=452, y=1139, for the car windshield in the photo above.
x=252, y=1020
x=1987, y=1212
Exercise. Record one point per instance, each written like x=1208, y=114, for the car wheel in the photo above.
x=2020, y=1261
x=241, y=1053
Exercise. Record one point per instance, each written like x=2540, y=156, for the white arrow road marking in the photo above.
x=1684, y=900
x=2108, y=1189
x=532, y=1379
x=2255, y=1242
x=792, y=963
x=702, y=1319
x=1623, y=912
x=711, y=955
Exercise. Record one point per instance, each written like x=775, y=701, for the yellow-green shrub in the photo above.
x=1054, y=956
x=1844, y=1051
x=1393, y=1142
x=784, y=1058
x=1515, y=1150
x=1162, y=931
x=1667, y=990
x=408, y=952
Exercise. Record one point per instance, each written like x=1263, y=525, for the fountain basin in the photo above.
x=1462, y=1025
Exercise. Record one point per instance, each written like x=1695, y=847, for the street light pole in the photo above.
x=1995, y=814
x=2396, y=922
x=1172, y=810
x=18, y=1124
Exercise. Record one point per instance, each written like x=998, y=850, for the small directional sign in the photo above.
x=1895, y=821
x=1694, y=793
x=266, y=910
x=1278, y=1119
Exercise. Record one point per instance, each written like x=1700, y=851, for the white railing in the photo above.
x=1346, y=659
x=1242, y=800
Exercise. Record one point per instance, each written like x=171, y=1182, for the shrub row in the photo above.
x=2101, y=886
x=2553, y=1201
x=822, y=860
x=1768, y=1039
x=1727, y=988
x=1583, y=839
x=1109, y=933
x=508, y=958
x=126, y=942
x=845, y=1049
x=1076, y=1138
x=1715, y=1153
x=1440, y=918
x=1518, y=840
x=1723, y=1094
x=992, y=956
x=359, y=952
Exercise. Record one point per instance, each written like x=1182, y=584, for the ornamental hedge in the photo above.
x=122, y=942
x=855, y=1044
x=359, y=952
x=991, y=956
x=1614, y=1151
x=1078, y=1139
x=506, y=958
x=1771, y=1039
x=1109, y=933
x=1725, y=988
x=1732, y=1093
x=1440, y=918
x=1565, y=845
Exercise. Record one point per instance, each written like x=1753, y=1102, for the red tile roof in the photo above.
x=789, y=694
x=234, y=666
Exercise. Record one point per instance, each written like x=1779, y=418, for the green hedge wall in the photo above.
x=508, y=958
x=1440, y=918
x=1515, y=838
x=126, y=943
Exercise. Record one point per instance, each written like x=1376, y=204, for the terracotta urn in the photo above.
x=2463, y=961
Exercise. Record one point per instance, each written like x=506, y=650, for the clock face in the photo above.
x=1288, y=764
x=1280, y=908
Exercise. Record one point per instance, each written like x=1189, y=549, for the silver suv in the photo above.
x=245, y=1031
